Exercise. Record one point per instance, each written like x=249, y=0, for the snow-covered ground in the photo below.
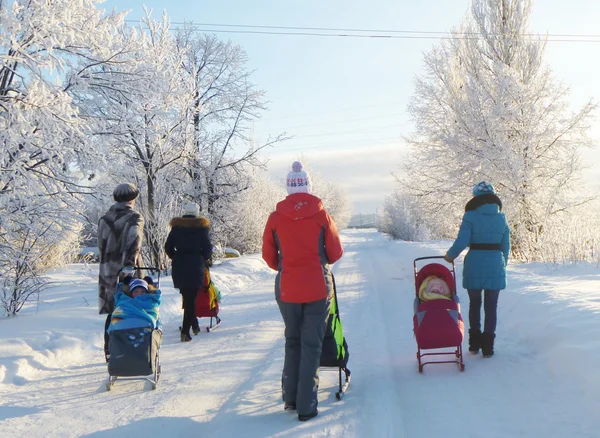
x=544, y=380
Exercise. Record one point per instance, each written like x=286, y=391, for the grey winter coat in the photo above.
x=120, y=233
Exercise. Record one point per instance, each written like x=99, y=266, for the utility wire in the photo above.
x=352, y=131
x=371, y=141
x=361, y=33
x=332, y=111
x=332, y=122
x=335, y=29
x=390, y=37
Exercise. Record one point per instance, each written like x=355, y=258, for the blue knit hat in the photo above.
x=483, y=188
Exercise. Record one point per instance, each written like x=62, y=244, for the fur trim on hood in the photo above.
x=480, y=200
x=190, y=222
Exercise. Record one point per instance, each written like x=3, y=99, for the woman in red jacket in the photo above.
x=300, y=241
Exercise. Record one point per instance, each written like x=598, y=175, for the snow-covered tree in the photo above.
x=488, y=108
x=46, y=49
x=247, y=212
x=146, y=128
x=224, y=105
x=401, y=218
x=335, y=199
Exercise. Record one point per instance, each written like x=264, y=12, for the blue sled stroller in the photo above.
x=335, y=348
x=134, y=351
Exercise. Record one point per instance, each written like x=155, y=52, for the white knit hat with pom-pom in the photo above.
x=298, y=180
x=191, y=209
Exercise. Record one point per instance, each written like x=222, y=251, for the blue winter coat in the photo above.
x=483, y=269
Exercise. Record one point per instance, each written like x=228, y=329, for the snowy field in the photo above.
x=544, y=380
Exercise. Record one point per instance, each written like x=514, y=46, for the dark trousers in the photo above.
x=106, y=325
x=490, y=305
x=305, y=326
x=189, y=310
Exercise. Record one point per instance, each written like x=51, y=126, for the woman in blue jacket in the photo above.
x=485, y=231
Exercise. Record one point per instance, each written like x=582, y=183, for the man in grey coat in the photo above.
x=120, y=233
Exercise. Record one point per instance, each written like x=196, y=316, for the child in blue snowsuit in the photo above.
x=136, y=305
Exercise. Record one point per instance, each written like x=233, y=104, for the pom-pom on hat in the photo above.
x=138, y=283
x=483, y=188
x=298, y=180
x=191, y=209
x=125, y=192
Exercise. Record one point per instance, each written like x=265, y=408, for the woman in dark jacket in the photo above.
x=485, y=231
x=188, y=245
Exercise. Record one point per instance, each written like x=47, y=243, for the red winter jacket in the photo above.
x=299, y=241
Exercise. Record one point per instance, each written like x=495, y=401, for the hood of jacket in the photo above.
x=190, y=222
x=300, y=206
x=480, y=200
x=117, y=210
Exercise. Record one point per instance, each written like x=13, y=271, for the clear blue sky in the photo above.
x=344, y=99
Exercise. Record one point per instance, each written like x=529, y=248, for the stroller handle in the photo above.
x=430, y=258
x=152, y=269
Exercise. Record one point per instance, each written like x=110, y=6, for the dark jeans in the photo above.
x=106, y=325
x=490, y=304
x=189, y=310
x=305, y=326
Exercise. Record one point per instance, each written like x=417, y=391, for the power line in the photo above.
x=292, y=144
x=362, y=33
x=333, y=122
x=332, y=111
x=352, y=131
x=338, y=29
x=390, y=37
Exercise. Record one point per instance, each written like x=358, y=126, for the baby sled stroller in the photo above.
x=335, y=349
x=437, y=321
x=207, y=303
x=135, y=335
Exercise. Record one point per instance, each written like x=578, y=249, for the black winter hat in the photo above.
x=125, y=192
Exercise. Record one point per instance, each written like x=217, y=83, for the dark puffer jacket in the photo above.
x=188, y=245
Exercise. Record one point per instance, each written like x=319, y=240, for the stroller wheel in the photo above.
x=153, y=385
x=462, y=366
x=420, y=368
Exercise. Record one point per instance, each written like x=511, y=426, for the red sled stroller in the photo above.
x=207, y=303
x=437, y=321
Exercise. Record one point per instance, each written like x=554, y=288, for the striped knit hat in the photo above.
x=298, y=180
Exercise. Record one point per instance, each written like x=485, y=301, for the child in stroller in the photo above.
x=135, y=332
x=437, y=320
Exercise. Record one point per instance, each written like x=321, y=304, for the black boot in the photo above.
x=487, y=344
x=474, y=341
x=307, y=417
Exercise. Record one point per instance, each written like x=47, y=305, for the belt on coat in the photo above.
x=486, y=246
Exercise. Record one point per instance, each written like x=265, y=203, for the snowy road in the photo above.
x=227, y=383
